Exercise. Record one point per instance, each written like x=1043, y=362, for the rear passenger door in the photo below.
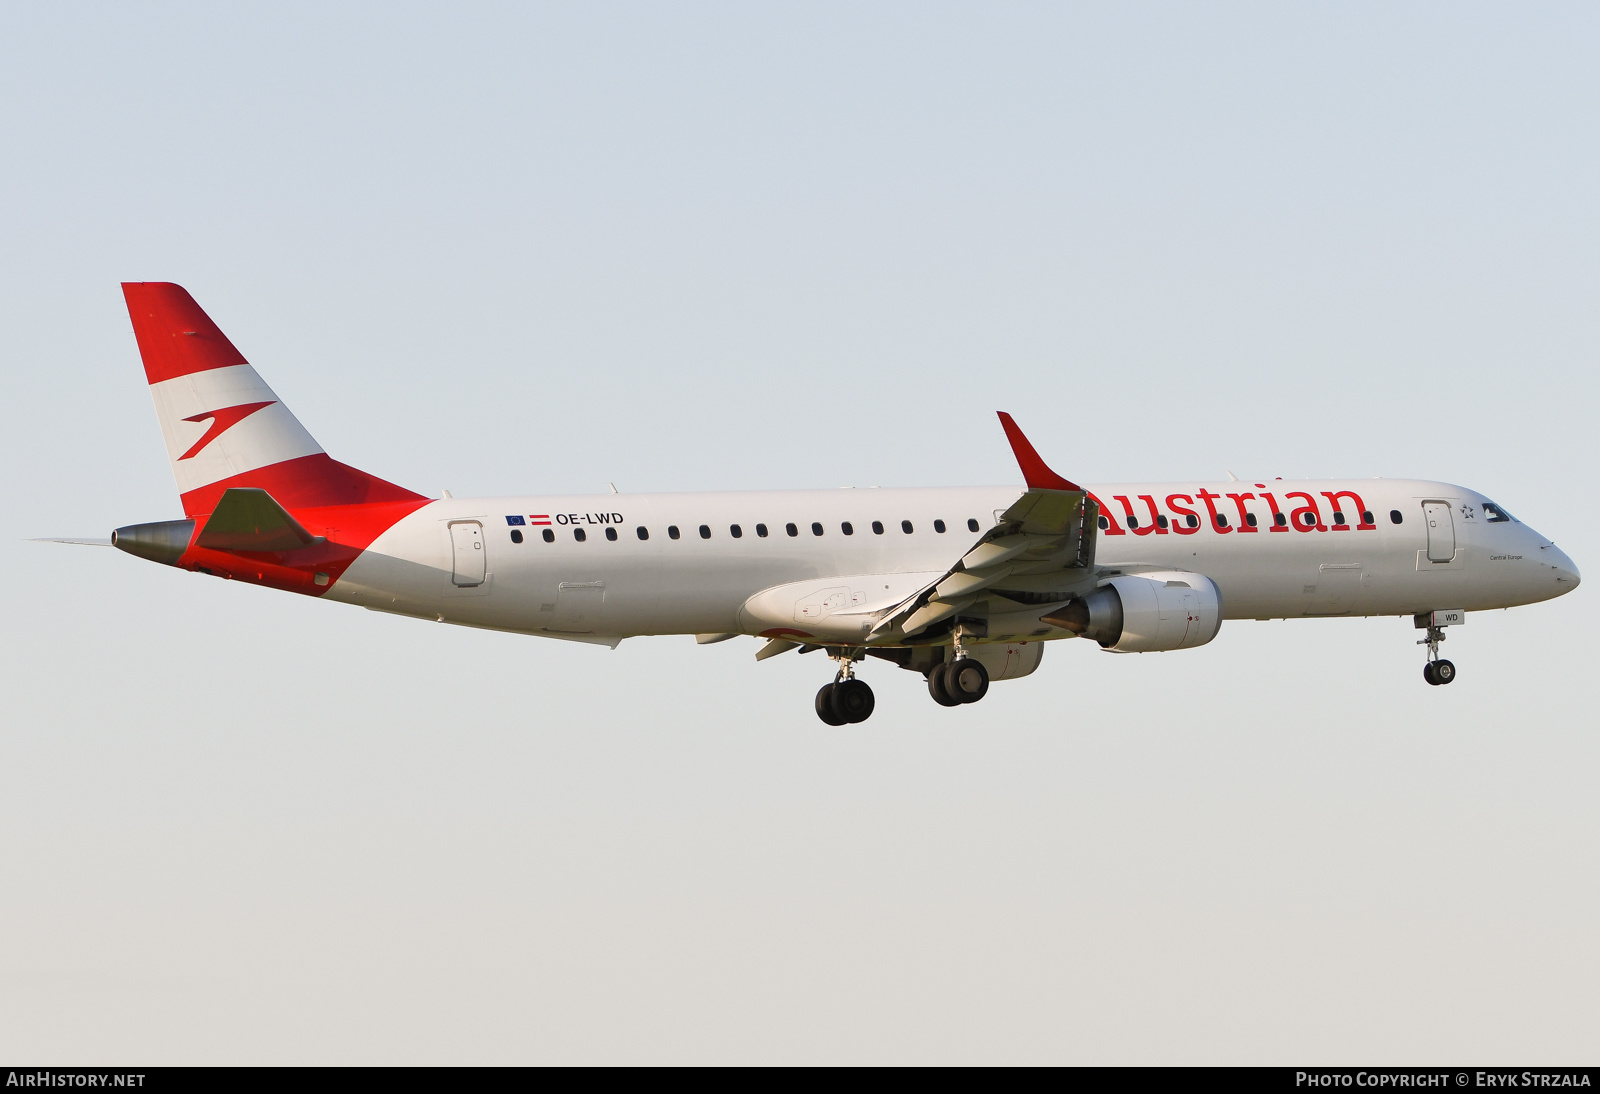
x=468, y=556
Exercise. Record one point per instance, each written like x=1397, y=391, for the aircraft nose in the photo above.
x=1566, y=571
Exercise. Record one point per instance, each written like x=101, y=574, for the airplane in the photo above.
x=964, y=585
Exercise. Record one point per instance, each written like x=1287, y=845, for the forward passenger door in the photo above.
x=1441, y=531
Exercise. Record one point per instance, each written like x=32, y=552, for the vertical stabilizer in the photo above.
x=223, y=426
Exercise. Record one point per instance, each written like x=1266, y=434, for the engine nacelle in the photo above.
x=1144, y=613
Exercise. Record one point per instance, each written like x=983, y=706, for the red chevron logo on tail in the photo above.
x=221, y=421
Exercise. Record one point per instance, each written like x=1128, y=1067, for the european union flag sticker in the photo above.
x=515, y=520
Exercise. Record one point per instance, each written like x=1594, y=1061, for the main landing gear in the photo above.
x=847, y=699
x=959, y=680
x=1437, y=670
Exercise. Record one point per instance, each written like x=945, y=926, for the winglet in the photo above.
x=1034, y=471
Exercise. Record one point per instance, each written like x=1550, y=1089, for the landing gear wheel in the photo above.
x=966, y=680
x=936, y=689
x=824, y=706
x=1443, y=672
x=852, y=700
x=1427, y=674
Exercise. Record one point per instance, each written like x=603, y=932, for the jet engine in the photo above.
x=1144, y=613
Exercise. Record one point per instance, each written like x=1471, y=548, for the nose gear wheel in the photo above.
x=1437, y=671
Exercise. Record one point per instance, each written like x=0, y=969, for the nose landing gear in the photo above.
x=846, y=700
x=1437, y=670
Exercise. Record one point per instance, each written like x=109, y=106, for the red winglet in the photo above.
x=1034, y=471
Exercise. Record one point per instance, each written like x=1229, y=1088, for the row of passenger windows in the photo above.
x=1279, y=519
x=737, y=531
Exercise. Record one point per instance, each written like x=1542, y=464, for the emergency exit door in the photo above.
x=466, y=543
x=1441, y=531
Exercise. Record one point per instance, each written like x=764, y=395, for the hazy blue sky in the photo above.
x=520, y=249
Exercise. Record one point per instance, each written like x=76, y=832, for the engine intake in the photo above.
x=1145, y=613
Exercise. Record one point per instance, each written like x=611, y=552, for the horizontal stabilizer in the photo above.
x=248, y=519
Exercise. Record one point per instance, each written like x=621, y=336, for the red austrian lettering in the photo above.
x=1190, y=524
x=1244, y=514
x=1307, y=517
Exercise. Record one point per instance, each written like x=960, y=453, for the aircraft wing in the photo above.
x=1045, y=540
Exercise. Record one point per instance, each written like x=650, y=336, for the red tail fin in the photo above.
x=224, y=427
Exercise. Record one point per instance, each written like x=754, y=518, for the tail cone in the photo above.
x=163, y=541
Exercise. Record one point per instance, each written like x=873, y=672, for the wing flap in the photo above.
x=1047, y=536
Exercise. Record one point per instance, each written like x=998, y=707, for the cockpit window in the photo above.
x=1496, y=515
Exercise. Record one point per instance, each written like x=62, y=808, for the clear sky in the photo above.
x=526, y=249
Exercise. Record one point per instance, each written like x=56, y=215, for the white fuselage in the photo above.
x=599, y=589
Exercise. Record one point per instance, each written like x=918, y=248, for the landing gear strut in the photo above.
x=959, y=680
x=847, y=699
x=1437, y=670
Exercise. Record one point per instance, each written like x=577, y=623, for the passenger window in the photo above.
x=1133, y=522
x=877, y=527
x=516, y=535
x=1250, y=519
x=1104, y=523
x=972, y=524
x=761, y=530
x=1192, y=521
x=1495, y=514
x=1282, y=521
x=847, y=528
x=938, y=526
x=672, y=531
x=791, y=529
x=1338, y=517
x=549, y=536
x=705, y=531
x=642, y=532
x=1395, y=517
x=816, y=529
x=735, y=531
x=579, y=535
x=1162, y=520
x=1366, y=516
x=1222, y=520
x=611, y=534
x=905, y=526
